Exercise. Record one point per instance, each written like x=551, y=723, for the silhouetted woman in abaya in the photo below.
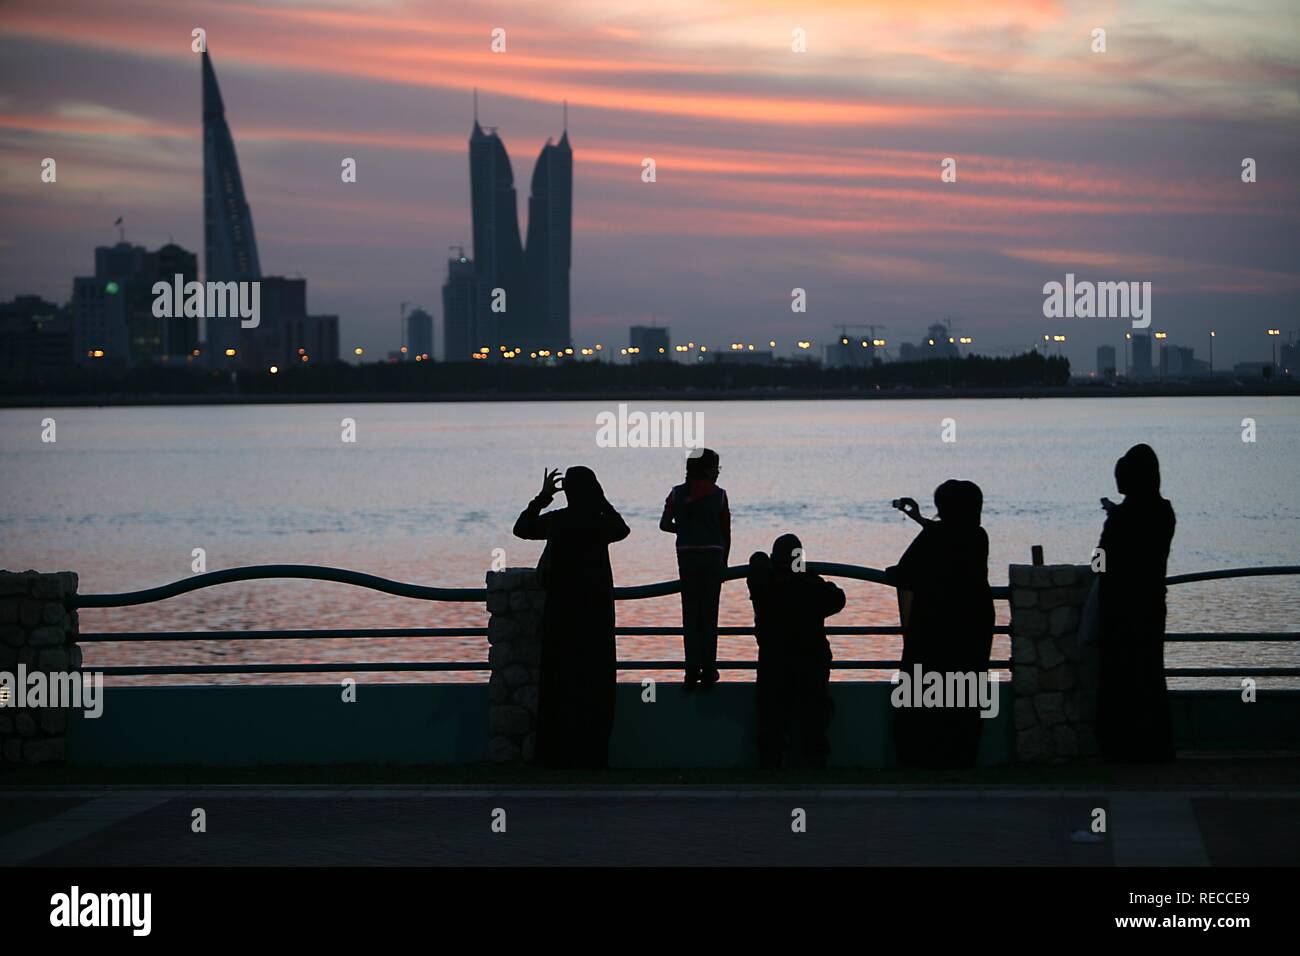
x=575, y=709
x=950, y=624
x=1133, y=723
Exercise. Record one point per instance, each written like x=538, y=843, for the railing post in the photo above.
x=514, y=602
x=40, y=663
x=1053, y=671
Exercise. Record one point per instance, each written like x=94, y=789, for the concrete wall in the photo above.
x=718, y=728
x=230, y=725
x=308, y=724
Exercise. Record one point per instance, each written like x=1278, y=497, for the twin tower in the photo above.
x=512, y=294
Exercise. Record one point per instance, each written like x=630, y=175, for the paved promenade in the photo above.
x=646, y=825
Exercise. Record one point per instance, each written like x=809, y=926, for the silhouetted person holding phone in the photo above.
x=579, y=672
x=1133, y=722
x=698, y=513
x=791, y=605
x=947, y=610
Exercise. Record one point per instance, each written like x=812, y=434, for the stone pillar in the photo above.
x=38, y=630
x=1053, y=672
x=514, y=603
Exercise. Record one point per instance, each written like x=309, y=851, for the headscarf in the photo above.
x=783, y=549
x=582, y=492
x=1137, y=474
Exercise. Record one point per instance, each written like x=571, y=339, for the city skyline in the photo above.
x=774, y=170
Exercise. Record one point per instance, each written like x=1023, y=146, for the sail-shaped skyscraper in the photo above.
x=229, y=245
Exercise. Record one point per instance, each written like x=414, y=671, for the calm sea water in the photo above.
x=428, y=491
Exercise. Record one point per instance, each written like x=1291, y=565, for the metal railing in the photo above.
x=479, y=595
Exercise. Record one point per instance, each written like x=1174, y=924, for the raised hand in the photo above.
x=550, y=485
x=910, y=508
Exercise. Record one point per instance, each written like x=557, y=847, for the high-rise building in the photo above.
x=312, y=338
x=229, y=244
x=113, y=311
x=550, y=244
x=35, y=335
x=1106, y=361
x=502, y=313
x=99, y=330
x=180, y=333
x=277, y=337
x=460, y=335
x=1141, y=355
x=419, y=335
x=521, y=296
x=651, y=342
x=1178, y=361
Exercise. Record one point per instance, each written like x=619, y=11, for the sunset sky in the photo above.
x=776, y=169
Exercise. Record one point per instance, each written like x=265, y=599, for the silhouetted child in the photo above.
x=697, y=512
x=791, y=605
